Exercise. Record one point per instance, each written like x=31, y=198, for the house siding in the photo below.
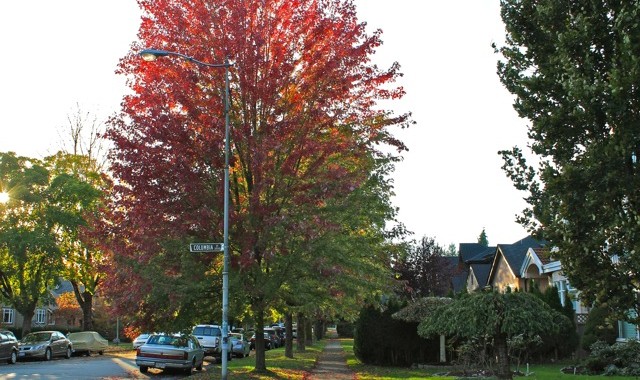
x=503, y=277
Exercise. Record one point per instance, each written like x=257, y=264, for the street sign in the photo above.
x=206, y=247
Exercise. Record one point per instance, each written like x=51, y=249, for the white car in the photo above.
x=140, y=340
x=170, y=351
x=210, y=338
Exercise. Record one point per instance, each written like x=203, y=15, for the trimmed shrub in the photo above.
x=381, y=340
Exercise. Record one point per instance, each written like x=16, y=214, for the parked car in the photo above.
x=276, y=336
x=210, y=337
x=239, y=345
x=44, y=345
x=86, y=342
x=8, y=347
x=268, y=342
x=140, y=340
x=170, y=351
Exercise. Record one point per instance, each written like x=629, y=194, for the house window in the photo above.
x=41, y=316
x=7, y=316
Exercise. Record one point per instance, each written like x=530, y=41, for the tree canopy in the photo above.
x=573, y=67
x=499, y=316
x=40, y=226
x=306, y=132
x=425, y=270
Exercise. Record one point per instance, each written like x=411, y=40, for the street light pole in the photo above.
x=151, y=55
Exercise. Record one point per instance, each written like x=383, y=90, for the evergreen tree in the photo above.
x=482, y=239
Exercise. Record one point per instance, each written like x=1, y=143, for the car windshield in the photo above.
x=36, y=337
x=207, y=331
x=167, y=340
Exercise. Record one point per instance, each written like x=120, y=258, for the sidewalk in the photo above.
x=332, y=364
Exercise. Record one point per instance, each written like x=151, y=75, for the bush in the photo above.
x=564, y=343
x=345, y=329
x=619, y=358
x=381, y=340
x=599, y=327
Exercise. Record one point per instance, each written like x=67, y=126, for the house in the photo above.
x=522, y=265
x=45, y=315
x=507, y=265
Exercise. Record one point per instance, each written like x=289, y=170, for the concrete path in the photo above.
x=332, y=364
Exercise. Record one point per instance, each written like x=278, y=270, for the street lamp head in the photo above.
x=152, y=54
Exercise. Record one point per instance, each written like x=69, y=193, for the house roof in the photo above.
x=484, y=257
x=61, y=287
x=481, y=273
x=468, y=250
x=516, y=253
x=459, y=281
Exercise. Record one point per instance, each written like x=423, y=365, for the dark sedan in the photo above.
x=8, y=347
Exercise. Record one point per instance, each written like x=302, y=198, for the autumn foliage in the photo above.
x=306, y=129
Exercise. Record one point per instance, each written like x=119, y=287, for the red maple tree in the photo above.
x=305, y=121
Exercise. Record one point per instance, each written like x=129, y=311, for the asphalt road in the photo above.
x=96, y=367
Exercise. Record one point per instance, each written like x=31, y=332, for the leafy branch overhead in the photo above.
x=573, y=67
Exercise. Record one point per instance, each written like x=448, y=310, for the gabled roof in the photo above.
x=468, y=250
x=483, y=257
x=515, y=253
x=481, y=273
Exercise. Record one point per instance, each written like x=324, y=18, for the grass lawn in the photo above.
x=537, y=372
x=278, y=366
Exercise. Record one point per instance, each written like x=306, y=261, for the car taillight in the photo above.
x=138, y=351
x=185, y=355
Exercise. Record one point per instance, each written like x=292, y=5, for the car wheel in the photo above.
x=199, y=366
x=189, y=369
x=144, y=369
x=13, y=358
x=67, y=355
x=47, y=354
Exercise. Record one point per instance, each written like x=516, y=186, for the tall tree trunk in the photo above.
x=87, y=312
x=85, y=300
x=300, y=332
x=504, y=366
x=288, y=328
x=319, y=329
x=27, y=320
x=308, y=332
x=261, y=362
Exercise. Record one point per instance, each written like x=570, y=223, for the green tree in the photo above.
x=500, y=316
x=482, y=239
x=46, y=207
x=573, y=66
x=83, y=243
x=30, y=260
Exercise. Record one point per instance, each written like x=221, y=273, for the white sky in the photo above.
x=56, y=54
